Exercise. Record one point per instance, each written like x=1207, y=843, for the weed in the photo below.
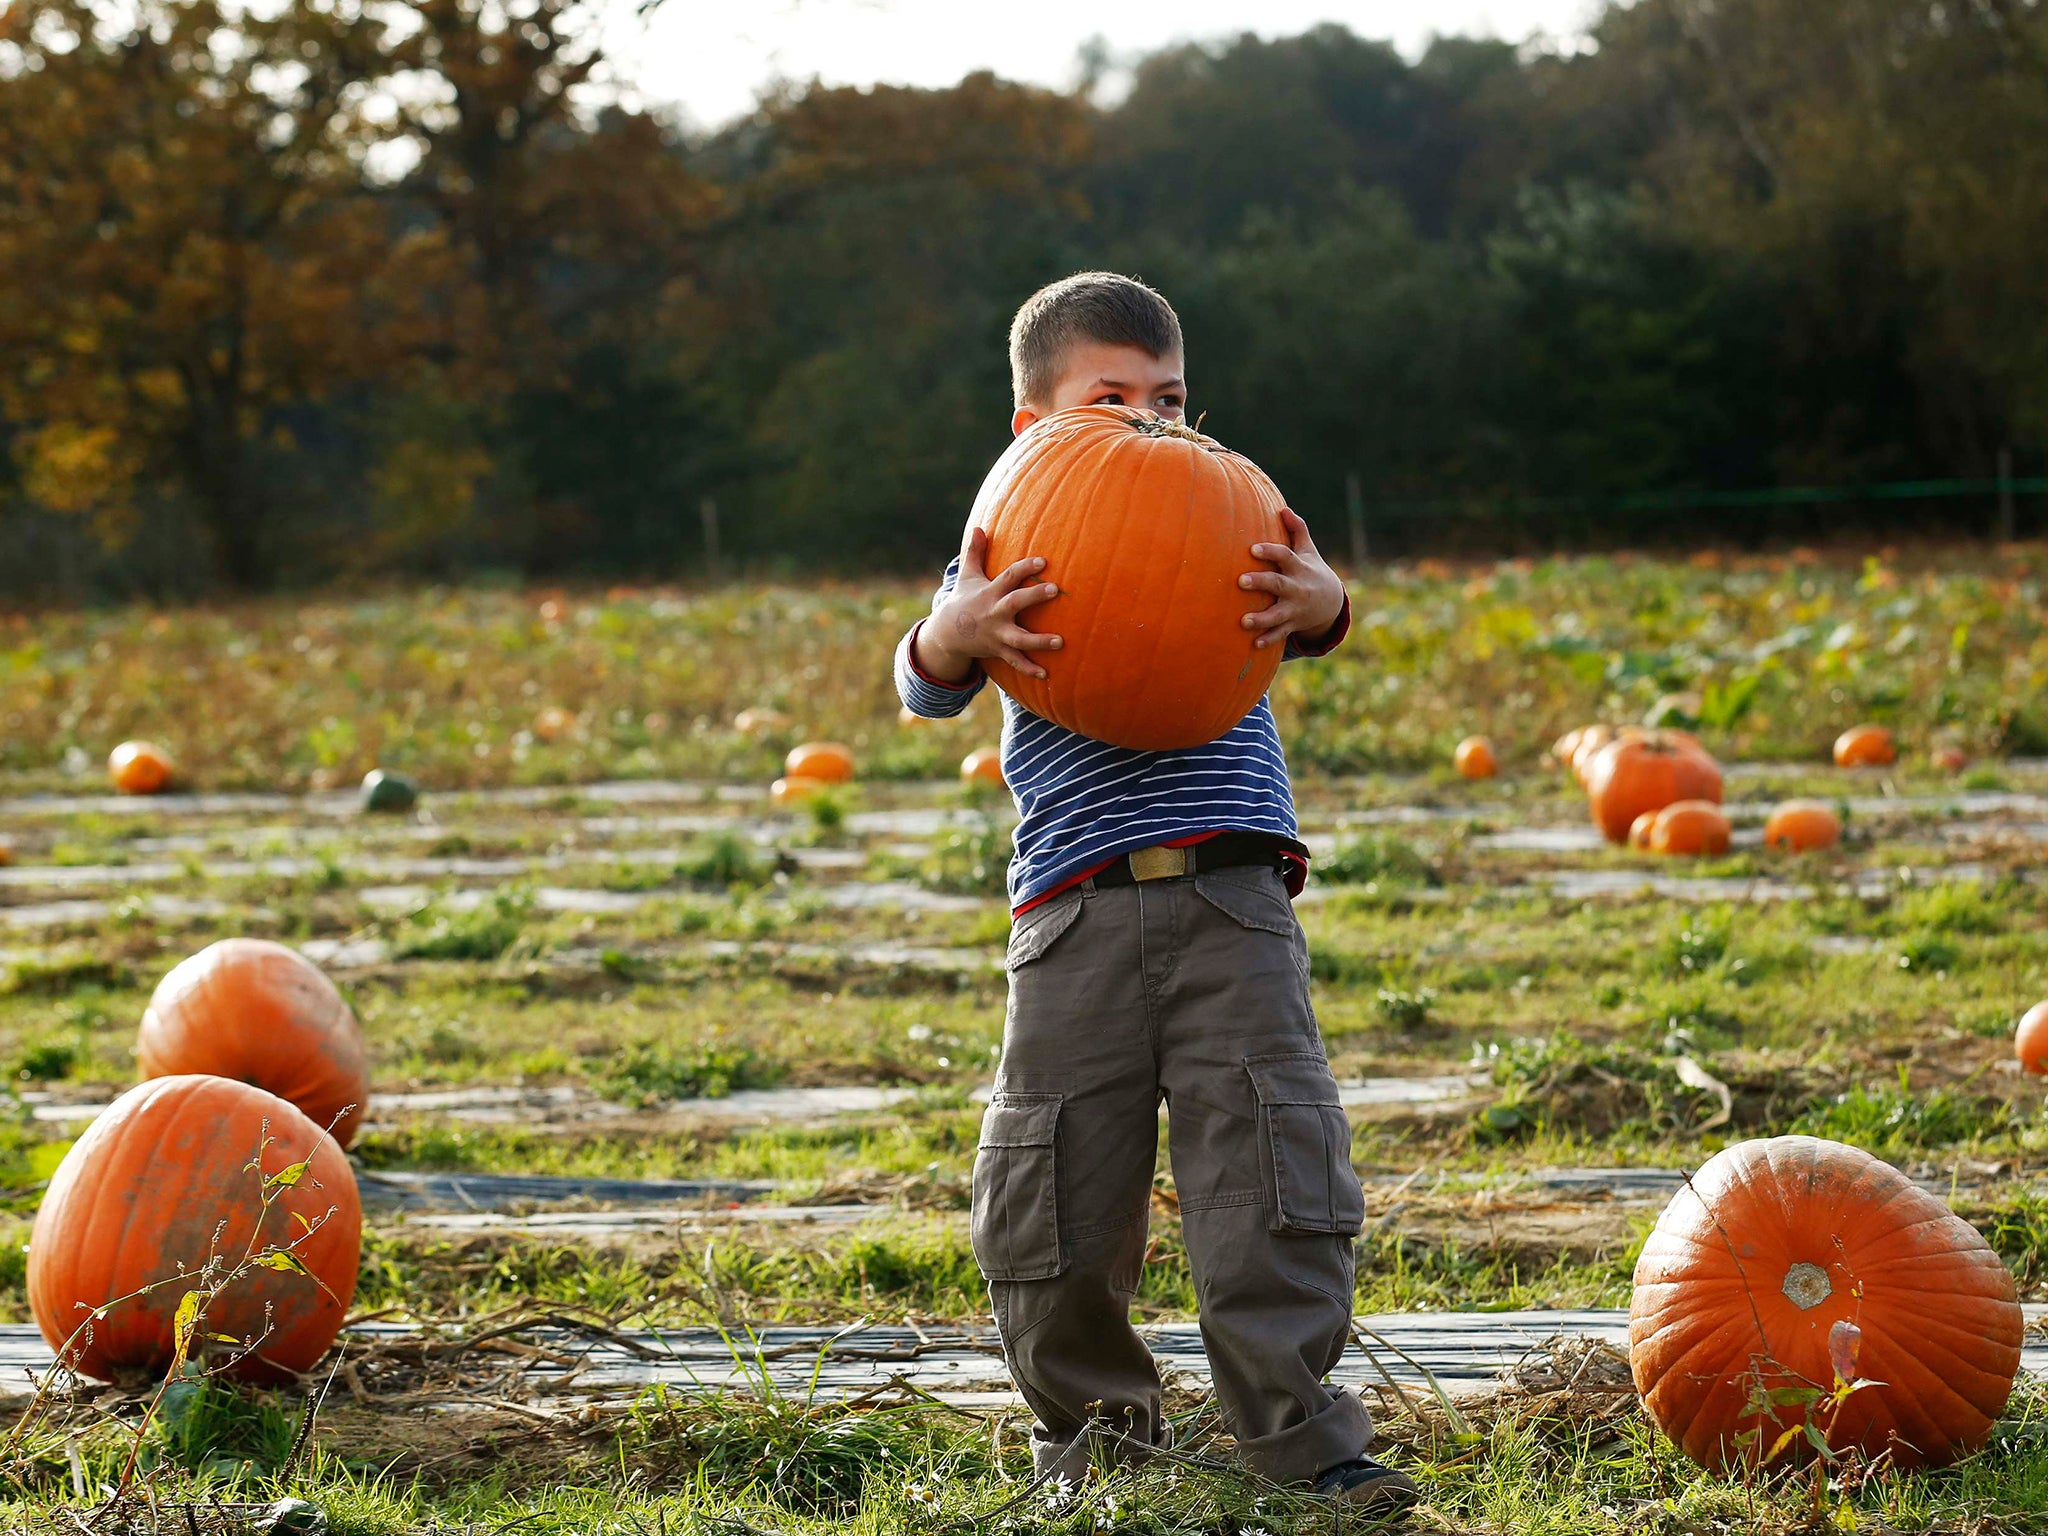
x=1377, y=858
x=971, y=861
x=648, y=1074
x=440, y=931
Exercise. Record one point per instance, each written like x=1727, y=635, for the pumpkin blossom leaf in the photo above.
x=281, y=1259
x=285, y=1178
x=183, y=1322
x=1778, y=1445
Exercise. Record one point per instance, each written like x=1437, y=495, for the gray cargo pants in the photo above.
x=1195, y=991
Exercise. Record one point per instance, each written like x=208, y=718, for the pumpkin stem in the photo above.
x=1807, y=1286
x=1153, y=426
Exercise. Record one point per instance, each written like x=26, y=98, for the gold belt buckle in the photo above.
x=1159, y=863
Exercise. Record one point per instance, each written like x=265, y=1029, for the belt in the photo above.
x=1226, y=850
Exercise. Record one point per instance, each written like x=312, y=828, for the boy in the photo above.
x=1155, y=955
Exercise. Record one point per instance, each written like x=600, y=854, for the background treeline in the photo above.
x=364, y=288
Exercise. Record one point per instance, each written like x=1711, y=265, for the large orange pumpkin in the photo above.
x=140, y=768
x=157, y=1184
x=796, y=789
x=2030, y=1040
x=1474, y=758
x=826, y=761
x=1801, y=826
x=1694, y=827
x=983, y=766
x=1145, y=526
x=1865, y=746
x=1646, y=771
x=263, y=1014
x=1752, y=1266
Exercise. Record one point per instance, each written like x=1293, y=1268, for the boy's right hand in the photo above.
x=978, y=618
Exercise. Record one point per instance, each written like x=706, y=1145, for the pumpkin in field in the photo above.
x=6, y=853
x=1474, y=758
x=140, y=768
x=388, y=792
x=1561, y=750
x=1951, y=759
x=824, y=760
x=553, y=723
x=264, y=1014
x=983, y=766
x=1694, y=827
x=1865, y=746
x=161, y=1181
x=1802, y=826
x=1145, y=526
x=1646, y=771
x=905, y=715
x=2030, y=1040
x=1592, y=740
x=1791, y=1263
x=796, y=789
x=1639, y=831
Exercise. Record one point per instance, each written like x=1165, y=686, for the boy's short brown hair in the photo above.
x=1089, y=306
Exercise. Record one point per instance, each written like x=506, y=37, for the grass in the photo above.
x=698, y=943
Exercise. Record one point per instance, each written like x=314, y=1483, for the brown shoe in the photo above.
x=1370, y=1488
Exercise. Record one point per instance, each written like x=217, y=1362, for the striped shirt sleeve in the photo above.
x=922, y=694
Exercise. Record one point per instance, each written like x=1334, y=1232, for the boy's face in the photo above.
x=1099, y=374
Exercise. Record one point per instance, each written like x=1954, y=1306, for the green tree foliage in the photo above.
x=408, y=286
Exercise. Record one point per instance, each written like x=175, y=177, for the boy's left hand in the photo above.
x=1307, y=594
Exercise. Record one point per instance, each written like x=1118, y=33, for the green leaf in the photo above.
x=1778, y=1445
x=281, y=1259
x=285, y=1178
x=183, y=1322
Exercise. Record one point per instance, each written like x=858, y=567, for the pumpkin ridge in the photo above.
x=1911, y=1394
x=1130, y=468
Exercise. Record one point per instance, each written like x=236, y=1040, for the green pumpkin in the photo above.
x=388, y=792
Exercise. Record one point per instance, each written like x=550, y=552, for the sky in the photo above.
x=710, y=57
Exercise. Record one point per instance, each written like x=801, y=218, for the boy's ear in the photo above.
x=1021, y=420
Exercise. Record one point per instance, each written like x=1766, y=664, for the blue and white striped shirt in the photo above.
x=1081, y=802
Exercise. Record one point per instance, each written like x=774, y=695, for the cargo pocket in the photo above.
x=1305, y=1146
x=1016, y=1225
x=1037, y=930
x=1253, y=897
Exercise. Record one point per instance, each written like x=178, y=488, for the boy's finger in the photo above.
x=1267, y=617
x=1019, y=572
x=1297, y=530
x=1024, y=597
x=1022, y=662
x=1263, y=581
x=1278, y=554
x=1272, y=637
x=1021, y=639
x=974, y=553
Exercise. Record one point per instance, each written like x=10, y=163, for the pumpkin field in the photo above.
x=674, y=1081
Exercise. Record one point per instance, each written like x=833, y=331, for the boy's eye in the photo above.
x=1111, y=400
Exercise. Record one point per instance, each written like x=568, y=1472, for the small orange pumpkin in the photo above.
x=1561, y=750
x=1951, y=759
x=6, y=853
x=1694, y=827
x=1802, y=826
x=796, y=789
x=1098, y=492
x=1591, y=740
x=824, y=760
x=553, y=723
x=1785, y=1263
x=160, y=1181
x=1474, y=758
x=1646, y=771
x=1639, y=831
x=2030, y=1040
x=260, y=1013
x=1865, y=746
x=983, y=766
x=905, y=715
x=140, y=768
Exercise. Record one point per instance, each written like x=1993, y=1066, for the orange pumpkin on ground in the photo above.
x=826, y=761
x=1802, y=826
x=905, y=715
x=1694, y=827
x=1865, y=746
x=2030, y=1040
x=1788, y=1261
x=1951, y=759
x=1561, y=750
x=1639, y=831
x=983, y=766
x=6, y=853
x=1145, y=526
x=142, y=1194
x=1474, y=758
x=1646, y=771
x=140, y=768
x=553, y=723
x=264, y=1014
x=1591, y=740
x=796, y=789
